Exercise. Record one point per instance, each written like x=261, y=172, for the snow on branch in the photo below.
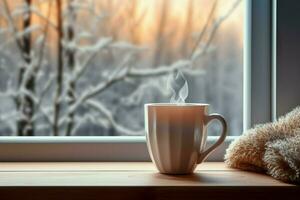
x=44, y=91
x=123, y=45
x=100, y=44
x=8, y=94
x=91, y=10
x=46, y=113
x=10, y=116
x=160, y=71
x=123, y=72
x=9, y=41
x=82, y=35
x=8, y=120
x=99, y=107
x=136, y=97
x=96, y=90
x=24, y=8
x=43, y=39
x=89, y=117
x=20, y=10
x=81, y=67
x=28, y=31
x=30, y=71
x=119, y=74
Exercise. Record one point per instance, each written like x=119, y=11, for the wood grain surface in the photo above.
x=134, y=181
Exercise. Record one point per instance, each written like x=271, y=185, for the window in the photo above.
x=85, y=68
x=70, y=70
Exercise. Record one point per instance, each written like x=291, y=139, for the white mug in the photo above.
x=176, y=135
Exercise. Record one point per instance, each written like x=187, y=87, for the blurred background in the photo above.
x=86, y=68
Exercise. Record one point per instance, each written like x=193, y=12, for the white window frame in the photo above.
x=259, y=106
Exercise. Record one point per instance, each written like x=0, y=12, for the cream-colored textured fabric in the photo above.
x=273, y=148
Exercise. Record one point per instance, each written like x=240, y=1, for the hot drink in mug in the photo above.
x=177, y=134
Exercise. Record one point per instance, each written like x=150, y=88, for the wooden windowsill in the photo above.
x=132, y=181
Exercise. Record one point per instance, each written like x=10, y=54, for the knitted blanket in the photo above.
x=272, y=148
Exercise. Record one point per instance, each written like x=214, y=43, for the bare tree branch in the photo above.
x=14, y=28
x=44, y=91
x=215, y=27
x=108, y=115
x=45, y=18
x=160, y=40
x=84, y=65
x=126, y=70
x=71, y=61
x=203, y=31
x=60, y=69
x=120, y=75
x=160, y=71
x=136, y=97
x=46, y=30
x=45, y=114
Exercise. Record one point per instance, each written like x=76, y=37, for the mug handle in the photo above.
x=203, y=155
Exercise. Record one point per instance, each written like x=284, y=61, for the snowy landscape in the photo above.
x=87, y=67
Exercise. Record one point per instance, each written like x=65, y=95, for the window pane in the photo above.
x=86, y=68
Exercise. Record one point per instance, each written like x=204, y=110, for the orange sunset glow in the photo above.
x=117, y=54
x=146, y=12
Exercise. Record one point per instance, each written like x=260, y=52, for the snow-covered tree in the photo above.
x=83, y=67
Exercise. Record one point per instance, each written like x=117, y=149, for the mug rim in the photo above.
x=176, y=104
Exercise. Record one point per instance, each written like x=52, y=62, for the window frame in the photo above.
x=260, y=62
x=259, y=105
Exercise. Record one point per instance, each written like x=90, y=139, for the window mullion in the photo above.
x=258, y=63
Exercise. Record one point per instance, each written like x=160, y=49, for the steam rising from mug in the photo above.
x=179, y=87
